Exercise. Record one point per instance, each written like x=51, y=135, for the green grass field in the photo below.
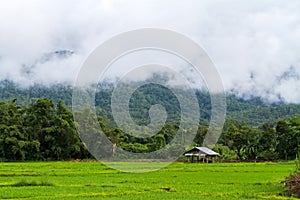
x=92, y=180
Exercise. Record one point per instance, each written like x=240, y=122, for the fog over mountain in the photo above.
x=254, y=44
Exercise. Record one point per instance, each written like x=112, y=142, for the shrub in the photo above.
x=293, y=182
x=293, y=185
x=225, y=152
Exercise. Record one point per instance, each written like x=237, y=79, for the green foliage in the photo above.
x=201, y=132
x=253, y=111
x=288, y=135
x=225, y=152
x=47, y=131
x=38, y=125
x=41, y=131
x=135, y=147
x=238, y=138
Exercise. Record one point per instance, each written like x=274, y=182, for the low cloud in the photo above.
x=254, y=44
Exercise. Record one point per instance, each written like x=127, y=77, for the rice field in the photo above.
x=93, y=180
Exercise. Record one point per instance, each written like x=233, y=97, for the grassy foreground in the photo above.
x=92, y=180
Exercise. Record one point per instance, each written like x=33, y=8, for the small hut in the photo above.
x=201, y=154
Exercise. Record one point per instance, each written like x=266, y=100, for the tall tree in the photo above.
x=283, y=133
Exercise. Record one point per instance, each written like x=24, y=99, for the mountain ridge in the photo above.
x=254, y=111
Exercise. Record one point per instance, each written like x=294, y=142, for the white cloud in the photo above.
x=251, y=42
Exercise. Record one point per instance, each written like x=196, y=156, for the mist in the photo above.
x=255, y=45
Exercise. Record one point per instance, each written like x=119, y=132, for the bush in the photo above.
x=293, y=185
x=293, y=182
x=268, y=155
x=225, y=152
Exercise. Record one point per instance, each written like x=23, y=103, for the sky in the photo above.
x=255, y=44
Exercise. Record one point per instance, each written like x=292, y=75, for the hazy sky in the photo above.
x=254, y=44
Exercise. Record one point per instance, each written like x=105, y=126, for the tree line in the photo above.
x=277, y=141
x=41, y=131
x=45, y=130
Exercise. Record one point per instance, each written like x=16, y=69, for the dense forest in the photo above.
x=36, y=123
x=253, y=111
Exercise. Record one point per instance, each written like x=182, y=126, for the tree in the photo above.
x=54, y=128
x=201, y=132
x=41, y=121
x=288, y=138
x=268, y=143
x=160, y=141
x=67, y=143
x=252, y=149
x=14, y=141
x=238, y=137
x=284, y=137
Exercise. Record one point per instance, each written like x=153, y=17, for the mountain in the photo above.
x=253, y=111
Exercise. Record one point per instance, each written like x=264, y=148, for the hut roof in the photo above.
x=196, y=151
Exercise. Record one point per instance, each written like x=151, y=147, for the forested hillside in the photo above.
x=36, y=124
x=252, y=111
